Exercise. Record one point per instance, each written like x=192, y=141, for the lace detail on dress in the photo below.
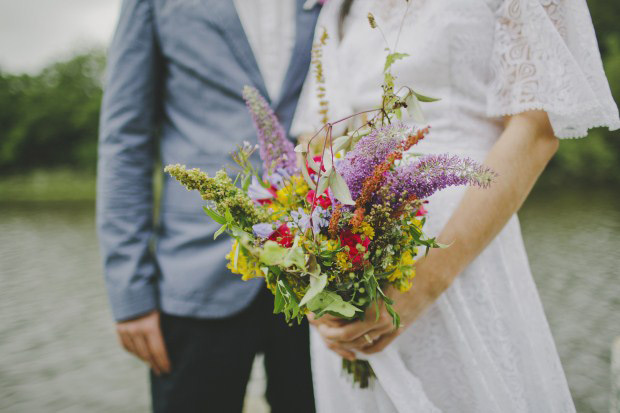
x=545, y=57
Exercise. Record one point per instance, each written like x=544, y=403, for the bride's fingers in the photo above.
x=352, y=331
x=336, y=348
x=326, y=319
x=343, y=334
x=369, y=338
x=345, y=354
x=381, y=343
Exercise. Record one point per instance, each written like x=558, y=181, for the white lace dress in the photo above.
x=484, y=345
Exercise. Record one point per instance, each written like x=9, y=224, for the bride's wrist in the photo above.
x=432, y=278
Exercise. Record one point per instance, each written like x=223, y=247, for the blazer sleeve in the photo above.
x=127, y=142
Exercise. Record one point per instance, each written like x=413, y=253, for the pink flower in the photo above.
x=421, y=211
x=323, y=201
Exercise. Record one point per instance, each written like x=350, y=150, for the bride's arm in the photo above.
x=519, y=156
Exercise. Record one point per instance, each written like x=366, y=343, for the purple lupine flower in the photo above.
x=431, y=173
x=263, y=230
x=369, y=152
x=276, y=150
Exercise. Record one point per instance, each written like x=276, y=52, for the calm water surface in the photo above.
x=58, y=351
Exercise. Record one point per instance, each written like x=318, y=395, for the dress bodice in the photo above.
x=483, y=58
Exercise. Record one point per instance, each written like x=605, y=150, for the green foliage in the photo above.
x=50, y=119
x=596, y=158
x=391, y=58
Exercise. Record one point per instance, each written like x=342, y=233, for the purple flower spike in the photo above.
x=276, y=150
x=431, y=173
x=369, y=152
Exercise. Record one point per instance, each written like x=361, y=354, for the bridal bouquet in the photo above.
x=331, y=233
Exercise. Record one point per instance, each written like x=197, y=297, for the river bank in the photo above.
x=58, y=351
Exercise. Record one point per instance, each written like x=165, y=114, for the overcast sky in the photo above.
x=36, y=32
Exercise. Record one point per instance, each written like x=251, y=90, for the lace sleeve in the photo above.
x=545, y=56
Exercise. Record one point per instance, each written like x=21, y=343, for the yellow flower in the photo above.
x=405, y=269
x=277, y=211
x=292, y=192
x=366, y=229
x=301, y=187
x=247, y=267
x=282, y=195
x=342, y=259
x=332, y=245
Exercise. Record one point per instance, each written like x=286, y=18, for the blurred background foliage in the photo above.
x=49, y=120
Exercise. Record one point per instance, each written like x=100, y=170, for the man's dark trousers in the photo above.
x=212, y=359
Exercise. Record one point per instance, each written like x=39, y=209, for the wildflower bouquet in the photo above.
x=329, y=235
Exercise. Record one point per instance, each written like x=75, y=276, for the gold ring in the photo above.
x=368, y=339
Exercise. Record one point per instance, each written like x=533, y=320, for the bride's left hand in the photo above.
x=373, y=334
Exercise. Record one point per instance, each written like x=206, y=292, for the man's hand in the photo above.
x=142, y=337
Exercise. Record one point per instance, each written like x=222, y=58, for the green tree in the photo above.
x=51, y=119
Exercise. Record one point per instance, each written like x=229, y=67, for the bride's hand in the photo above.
x=374, y=333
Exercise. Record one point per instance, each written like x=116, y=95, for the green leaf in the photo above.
x=215, y=216
x=323, y=182
x=220, y=232
x=285, y=302
x=399, y=114
x=327, y=160
x=229, y=217
x=313, y=165
x=236, y=257
x=295, y=256
x=306, y=175
x=342, y=142
x=423, y=98
x=393, y=313
x=272, y=253
x=317, y=284
x=393, y=57
x=247, y=180
x=340, y=189
x=278, y=303
x=330, y=302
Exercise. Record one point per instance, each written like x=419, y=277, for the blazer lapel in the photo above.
x=305, y=21
x=223, y=14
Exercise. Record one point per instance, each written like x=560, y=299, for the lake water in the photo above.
x=58, y=351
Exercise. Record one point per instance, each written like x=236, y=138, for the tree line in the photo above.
x=50, y=119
